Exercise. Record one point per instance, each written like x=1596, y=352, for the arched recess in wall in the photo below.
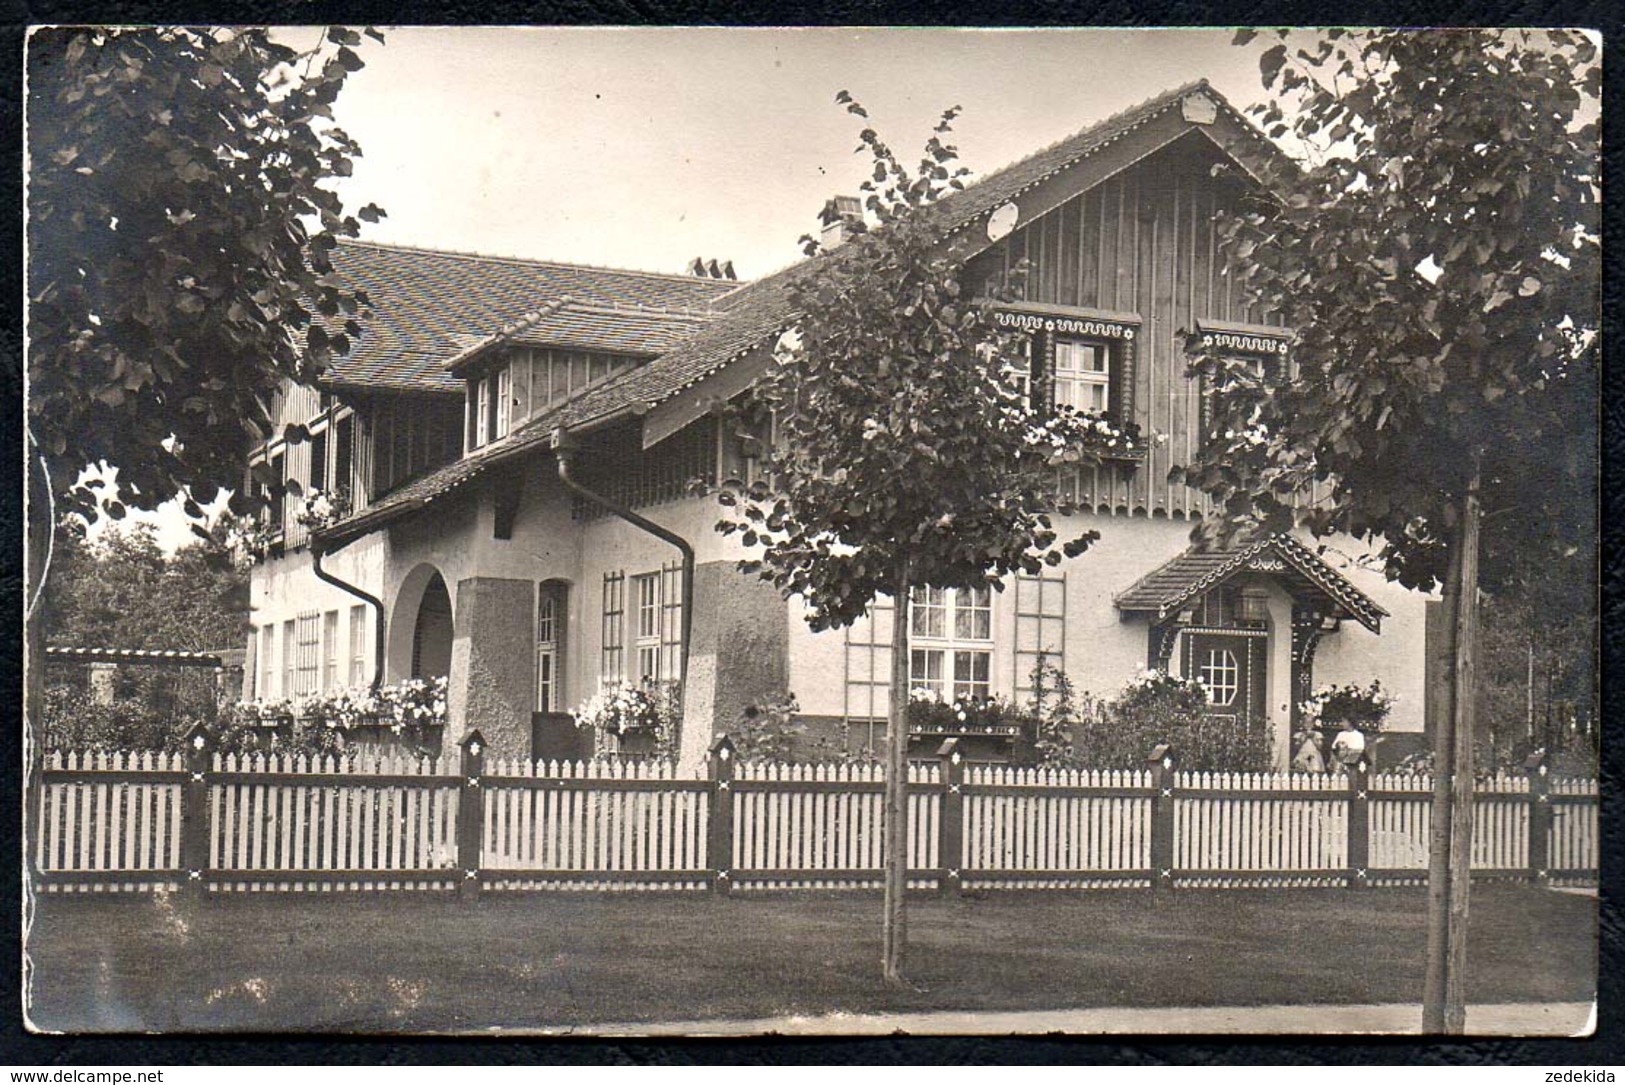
x=420, y=626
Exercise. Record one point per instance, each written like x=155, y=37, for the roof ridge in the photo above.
x=530, y=261
x=636, y=307
x=1161, y=100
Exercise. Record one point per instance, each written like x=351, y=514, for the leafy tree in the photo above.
x=179, y=241
x=178, y=261
x=1438, y=256
x=906, y=456
x=123, y=591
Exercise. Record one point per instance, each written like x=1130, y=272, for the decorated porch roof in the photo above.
x=1169, y=588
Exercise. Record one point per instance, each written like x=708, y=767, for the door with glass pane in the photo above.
x=1231, y=665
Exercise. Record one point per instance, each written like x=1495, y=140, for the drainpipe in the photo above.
x=565, y=447
x=316, y=555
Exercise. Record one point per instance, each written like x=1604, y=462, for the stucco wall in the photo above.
x=748, y=643
x=1104, y=649
x=493, y=677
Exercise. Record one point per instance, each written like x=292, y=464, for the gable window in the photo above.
x=1081, y=376
x=1077, y=358
x=1259, y=352
x=277, y=493
x=951, y=641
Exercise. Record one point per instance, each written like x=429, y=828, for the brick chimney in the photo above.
x=842, y=220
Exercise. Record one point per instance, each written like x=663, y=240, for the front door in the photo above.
x=1231, y=665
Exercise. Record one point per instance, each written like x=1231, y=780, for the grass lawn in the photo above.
x=411, y=962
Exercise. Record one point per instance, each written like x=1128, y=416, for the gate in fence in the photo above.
x=215, y=823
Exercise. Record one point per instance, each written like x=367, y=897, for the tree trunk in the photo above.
x=895, y=821
x=1444, y=1004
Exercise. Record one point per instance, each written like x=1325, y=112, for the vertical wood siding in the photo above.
x=1142, y=242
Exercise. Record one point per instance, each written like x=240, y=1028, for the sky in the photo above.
x=644, y=148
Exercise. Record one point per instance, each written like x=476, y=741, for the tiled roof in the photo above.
x=746, y=315
x=617, y=329
x=427, y=305
x=1167, y=589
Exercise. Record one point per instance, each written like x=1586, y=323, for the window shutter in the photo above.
x=1122, y=379
x=1042, y=349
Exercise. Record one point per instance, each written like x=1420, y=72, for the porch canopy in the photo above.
x=1170, y=588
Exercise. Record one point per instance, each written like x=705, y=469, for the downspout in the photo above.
x=317, y=551
x=565, y=447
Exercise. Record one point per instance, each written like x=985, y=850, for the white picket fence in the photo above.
x=819, y=826
x=1041, y=828
x=117, y=821
x=318, y=823
x=600, y=825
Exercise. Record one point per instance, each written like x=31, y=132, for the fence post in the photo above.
x=951, y=841
x=195, y=811
x=471, y=817
x=719, y=835
x=1359, y=822
x=1540, y=818
x=1162, y=761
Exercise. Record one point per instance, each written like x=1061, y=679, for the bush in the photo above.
x=768, y=731
x=74, y=720
x=1153, y=708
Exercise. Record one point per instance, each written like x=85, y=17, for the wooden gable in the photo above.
x=1139, y=245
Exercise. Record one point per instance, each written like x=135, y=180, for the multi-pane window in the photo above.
x=1081, y=378
x=480, y=394
x=503, y=403
x=330, y=650
x=646, y=600
x=951, y=641
x=1221, y=673
x=547, y=651
x=358, y=645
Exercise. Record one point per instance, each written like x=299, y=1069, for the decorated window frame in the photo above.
x=1055, y=334
x=1267, y=347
